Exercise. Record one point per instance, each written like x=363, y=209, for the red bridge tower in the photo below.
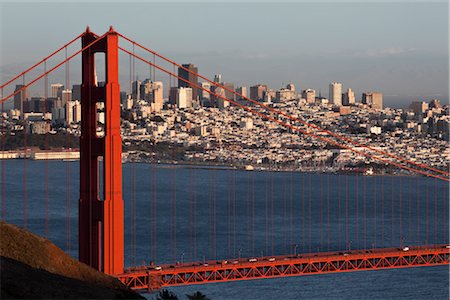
x=101, y=221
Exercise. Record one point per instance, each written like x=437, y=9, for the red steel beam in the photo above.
x=148, y=278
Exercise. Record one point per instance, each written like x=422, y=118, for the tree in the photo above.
x=197, y=296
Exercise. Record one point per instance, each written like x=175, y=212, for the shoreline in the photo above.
x=74, y=155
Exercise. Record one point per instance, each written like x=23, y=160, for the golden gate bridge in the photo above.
x=101, y=210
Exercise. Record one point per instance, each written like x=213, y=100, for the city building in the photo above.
x=291, y=87
x=20, y=98
x=229, y=90
x=418, y=107
x=204, y=95
x=242, y=90
x=335, y=95
x=218, y=78
x=136, y=90
x=184, y=97
x=257, y=91
x=373, y=99
x=66, y=96
x=190, y=76
x=221, y=103
x=76, y=92
x=36, y=104
x=348, y=97
x=309, y=95
x=56, y=90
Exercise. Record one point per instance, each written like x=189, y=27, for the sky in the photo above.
x=399, y=49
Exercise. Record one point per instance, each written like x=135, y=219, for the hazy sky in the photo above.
x=400, y=49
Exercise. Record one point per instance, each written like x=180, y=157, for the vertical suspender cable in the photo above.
x=392, y=213
x=382, y=210
x=410, y=189
x=310, y=211
x=346, y=212
x=328, y=213
x=321, y=212
x=25, y=203
x=339, y=211
x=426, y=213
x=46, y=151
x=3, y=160
x=374, y=242
x=357, y=210
x=364, y=209
x=291, y=209
x=267, y=212
x=67, y=104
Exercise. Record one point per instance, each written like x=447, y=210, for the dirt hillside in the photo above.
x=48, y=271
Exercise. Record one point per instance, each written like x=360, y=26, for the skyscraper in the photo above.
x=257, y=91
x=373, y=99
x=348, y=97
x=184, y=97
x=20, y=98
x=241, y=90
x=76, y=92
x=189, y=76
x=336, y=93
x=57, y=89
x=309, y=95
x=66, y=96
x=136, y=90
x=204, y=95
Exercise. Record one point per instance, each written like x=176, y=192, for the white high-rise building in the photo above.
x=73, y=112
x=184, y=97
x=57, y=89
x=336, y=93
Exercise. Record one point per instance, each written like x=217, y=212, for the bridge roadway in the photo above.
x=155, y=277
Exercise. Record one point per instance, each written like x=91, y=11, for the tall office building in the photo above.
x=157, y=99
x=66, y=96
x=373, y=99
x=76, y=92
x=243, y=91
x=309, y=95
x=56, y=89
x=257, y=91
x=336, y=93
x=191, y=77
x=136, y=90
x=229, y=91
x=218, y=78
x=184, y=97
x=36, y=104
x=204, y=95
x=348, y=98
x=20, y=98
x=221, y=103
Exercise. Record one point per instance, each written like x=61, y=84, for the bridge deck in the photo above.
x=156, y=277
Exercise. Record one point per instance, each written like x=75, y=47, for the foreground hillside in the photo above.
x=33, y=267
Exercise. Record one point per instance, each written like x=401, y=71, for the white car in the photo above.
x=158, y=268
x=406, y=248
x=271, y=259
x=252, y=260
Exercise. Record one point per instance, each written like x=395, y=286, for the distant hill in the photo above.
x=32, y=267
